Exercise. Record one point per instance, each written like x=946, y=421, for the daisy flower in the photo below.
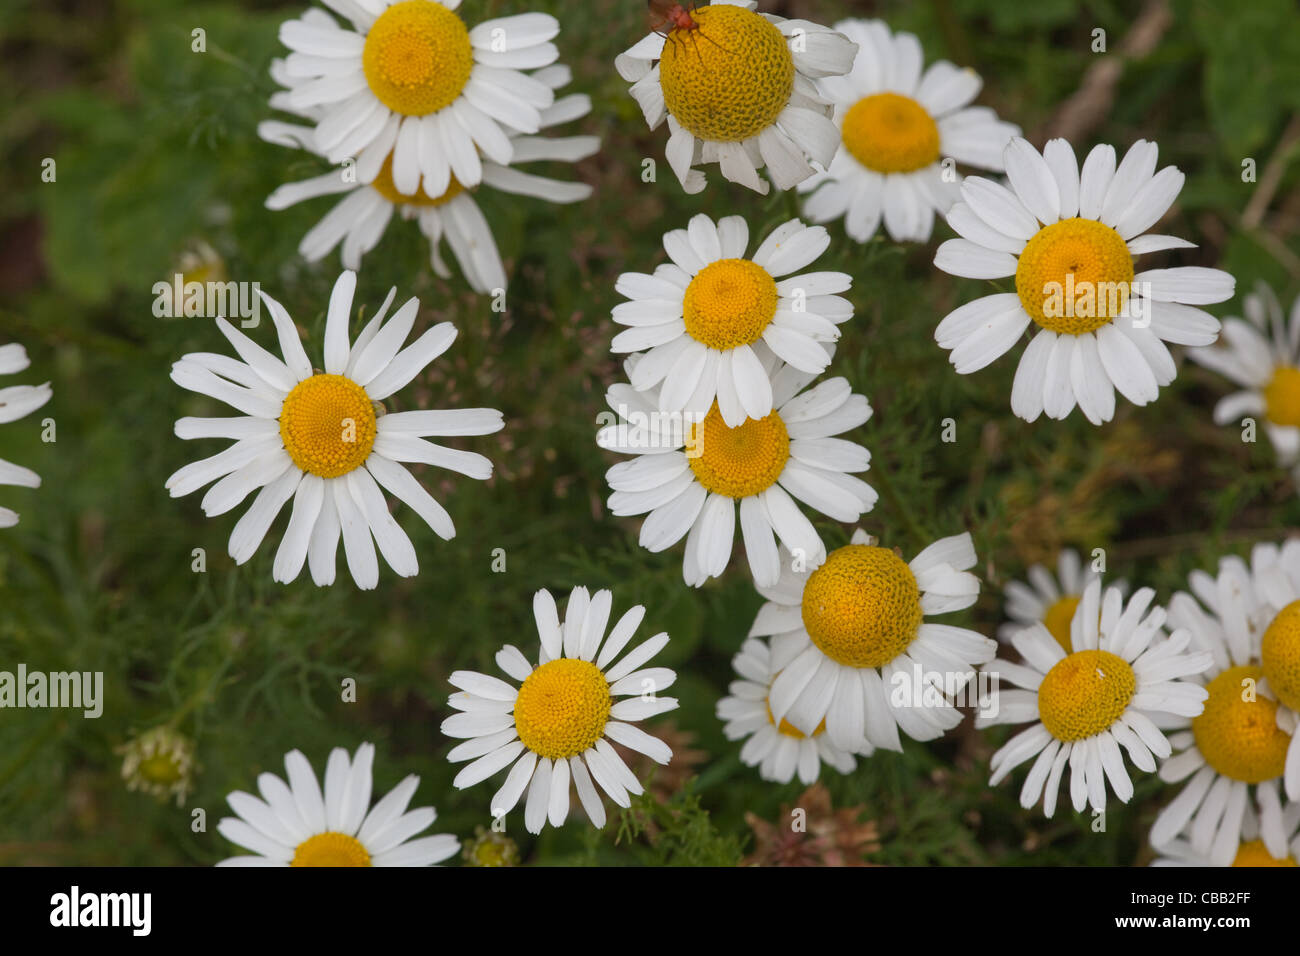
x=691, y=474
x=159, y=762
x=15, y=402
x=559, y=722
x=322, y=439
x=737, y=88
x=896, y=124
x=1232, y=754
x=1069, y=237
x=852, y=647
x=360, y=219
x=1277, y=585
x=1261, y=355
x=295, y=824
x=1251, y=851
x=1046, y=599
x=706, y=318
x=778, y=750
x=411, y=79
x=1122, y=677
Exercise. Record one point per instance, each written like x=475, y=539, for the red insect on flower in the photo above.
x=669, y=18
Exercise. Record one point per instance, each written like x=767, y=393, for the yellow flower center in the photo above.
x=891, y=133
x=787, y=729
x=330, y=849
x=729, y=78
x=729, y=303
x=562, y=708
x=384, y=185
x=327, y=424
x=862, y=608
x=738, y=462
x=1085, y=693
x=1074, y=276
x=1238, y=736
x=160, y=768
x=1254, y=853
x=1282, y=396
x=1058, y=618
x=1280, y=655
x=417, y=57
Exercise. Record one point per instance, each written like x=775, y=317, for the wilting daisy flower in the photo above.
x=408, y=78
x=322, y=439
x=1251, y=851
x=15, y=402
x=1233, y=753
x=1277, y=585
x=295, y=824
x=159, y=762
x=852, y=647
x=777, y=749
x=559, y=722
x=704, y=319
x=360, y=219
x=1046, y=599
x=1069, y=237
x=692, y=472
x=1122, y=676
x=897, y=125
x=737, y=89
x=1263, y=357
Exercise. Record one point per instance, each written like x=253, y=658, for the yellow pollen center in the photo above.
x=384, y=185
x=1254, y=853
x=729, y=78
x=1236, y=735
x=890, y=133
x=327, y=424
x=738, y=462
x=562, y=708
x=160, y=768
x=417, y=57
x=1280, y=655
x=729, y=303
x=1074, y=276
x=787, y=729
x=1085, y=693
x=862, y=608
x=1282, y=396
x=1058, y=618
x=330, y=849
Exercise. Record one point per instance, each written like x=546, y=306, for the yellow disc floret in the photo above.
x=1254, y=853
x=738, y=462
x=417, y=57
x=1237, y=733
x=727, y=79
x=1280, y=655
x=562, y=708
x=862, y=608
x=384, y=185
x=1058, y=617
x=729, y=303
x=328, y=424
x=1074, y=276
x=1084, y=694
x=1282, y=397
x=890, y=133
x=330, y=849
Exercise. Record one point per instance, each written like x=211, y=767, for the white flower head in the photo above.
x=556, y=727
x=1069, y=237
x=902, y=131
x=737, y=88
x=1122, y=677
x=1250, y=852
x=298, y=824
x=17, y=401
x=706, y=318
x=1049, y=599
x=321, y=439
